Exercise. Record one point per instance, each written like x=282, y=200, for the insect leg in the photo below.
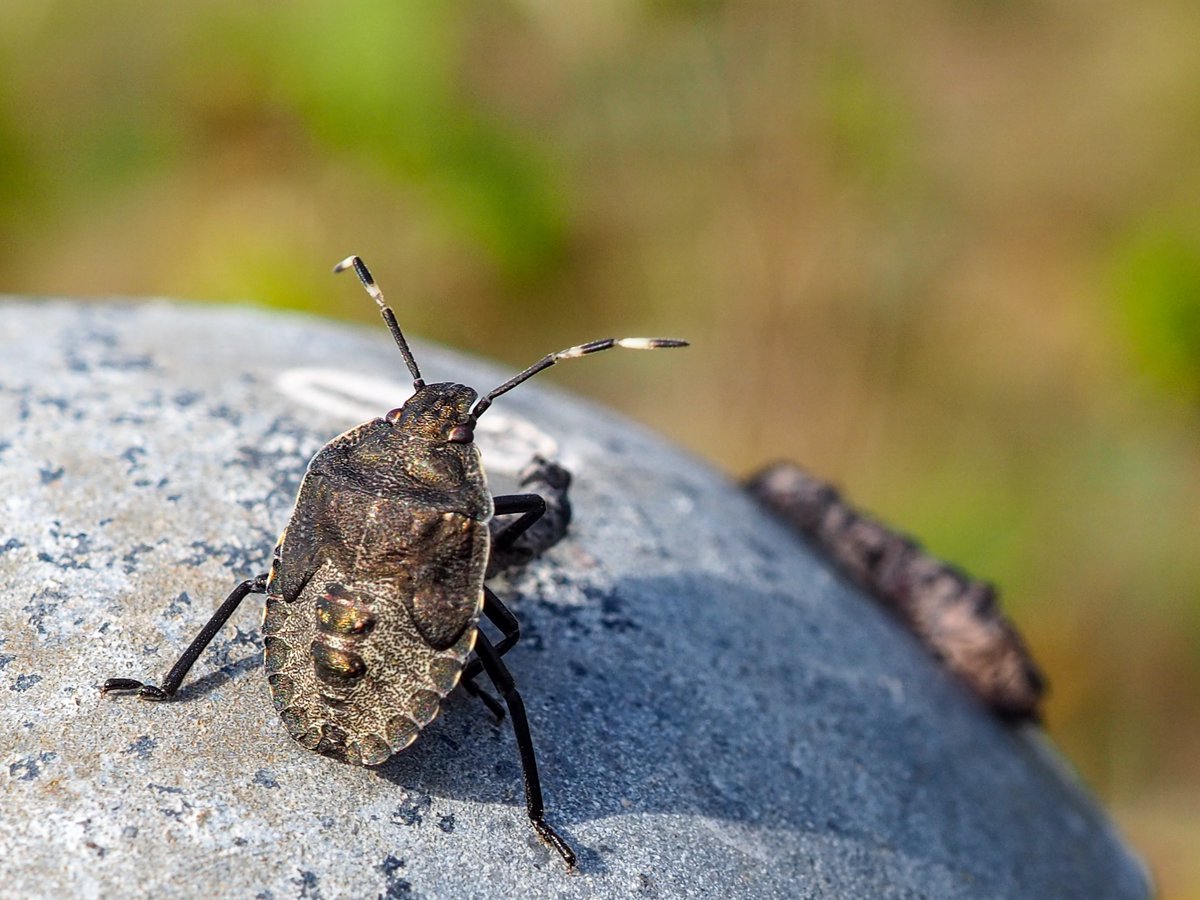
x=488, y=700
x=500, y=616
x=531, y=506
x=545, y=513
x=171, y=683
x=502, y=679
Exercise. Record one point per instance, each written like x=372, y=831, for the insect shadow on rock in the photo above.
x=376, y=585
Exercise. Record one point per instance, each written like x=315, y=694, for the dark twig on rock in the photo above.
x=952, y=614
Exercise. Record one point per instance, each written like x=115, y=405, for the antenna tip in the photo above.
x=651, y=343
x=345, y=264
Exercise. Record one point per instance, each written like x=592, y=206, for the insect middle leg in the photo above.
x=171, y=683
x=543, y=522
x=500, y=616
x=501, y=678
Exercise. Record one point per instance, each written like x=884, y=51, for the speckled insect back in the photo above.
x=377, y=587
x=350, y=676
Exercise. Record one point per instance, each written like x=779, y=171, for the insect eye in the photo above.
x=461, y=434
x=396, y=416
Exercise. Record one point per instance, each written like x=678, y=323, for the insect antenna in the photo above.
x=364, y=275
x=571, y=353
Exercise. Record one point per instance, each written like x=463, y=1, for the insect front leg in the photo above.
x=171, y=683
x=502, y=679
x=544, y=516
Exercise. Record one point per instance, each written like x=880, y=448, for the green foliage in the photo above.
x=387, y=95
x=1157, y=287
x=867, y=123
x=160, y=90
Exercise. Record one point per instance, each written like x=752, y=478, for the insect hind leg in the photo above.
x=175, y=677
x=534, y=806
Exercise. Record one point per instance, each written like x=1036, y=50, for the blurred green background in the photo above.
x=945, y=252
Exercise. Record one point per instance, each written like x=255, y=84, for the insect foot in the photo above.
x=175, y=677
x=124, y=685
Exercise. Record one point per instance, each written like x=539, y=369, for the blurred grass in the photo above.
x=946, y=253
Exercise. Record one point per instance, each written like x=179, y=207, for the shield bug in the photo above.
x=376, y=585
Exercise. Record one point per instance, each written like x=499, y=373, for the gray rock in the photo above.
x=716, y=714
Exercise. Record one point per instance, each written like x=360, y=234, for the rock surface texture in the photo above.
x=715, y=713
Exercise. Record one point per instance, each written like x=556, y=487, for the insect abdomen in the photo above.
x=338, y=613
x=342, y=622
x=348, y=673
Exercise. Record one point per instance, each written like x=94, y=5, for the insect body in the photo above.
x=377, y=586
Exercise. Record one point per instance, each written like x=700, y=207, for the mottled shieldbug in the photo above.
x=377, y=583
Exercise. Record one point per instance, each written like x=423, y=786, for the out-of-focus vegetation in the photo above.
x=946, y=253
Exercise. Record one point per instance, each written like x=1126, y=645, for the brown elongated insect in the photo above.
x=955, y=616
x=377, y=584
